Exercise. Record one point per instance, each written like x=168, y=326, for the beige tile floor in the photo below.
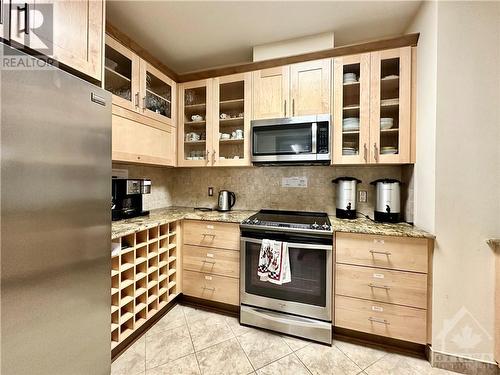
x=193, y=341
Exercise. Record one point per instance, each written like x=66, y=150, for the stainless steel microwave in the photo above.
x=293, y=140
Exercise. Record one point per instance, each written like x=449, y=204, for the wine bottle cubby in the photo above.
x=143, y=277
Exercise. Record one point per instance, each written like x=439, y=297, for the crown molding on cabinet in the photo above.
x=353, y=49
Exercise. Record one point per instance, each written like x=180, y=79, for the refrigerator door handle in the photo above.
x=97, y=99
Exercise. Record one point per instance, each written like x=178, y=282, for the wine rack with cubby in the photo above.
x=144, y=277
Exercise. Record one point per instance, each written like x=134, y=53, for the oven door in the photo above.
x=279, y=140
x=309, y=294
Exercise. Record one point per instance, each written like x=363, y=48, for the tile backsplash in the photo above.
x=261, y=187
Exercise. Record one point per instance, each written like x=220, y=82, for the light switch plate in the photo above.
x=363, y=196
x=300, y=182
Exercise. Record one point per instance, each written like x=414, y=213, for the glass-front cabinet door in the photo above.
x=195, y=125
x=158, y=93
x=390, y=106
x=351, y=117
x=231, y=122
x=121, y=74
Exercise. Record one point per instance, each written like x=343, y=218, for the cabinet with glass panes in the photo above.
x=195, y=125
x=372, y=108
x=138, y=86
x=390, y=106
x=231, y=127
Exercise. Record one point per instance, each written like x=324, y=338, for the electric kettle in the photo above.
x=227, y=199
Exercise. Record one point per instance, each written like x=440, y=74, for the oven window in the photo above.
x=282, y=140
x=308, y=269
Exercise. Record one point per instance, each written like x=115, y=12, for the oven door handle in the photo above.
x=292, y=244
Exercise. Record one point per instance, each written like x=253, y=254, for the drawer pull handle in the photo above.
x=208, y=261
x=208, y=235
x=381, y=321
x=205, y=288
x=371, y=285
x=380, y=252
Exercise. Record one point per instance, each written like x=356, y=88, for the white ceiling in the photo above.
x=194, y=35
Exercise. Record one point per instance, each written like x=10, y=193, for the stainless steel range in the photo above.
x=303, y=306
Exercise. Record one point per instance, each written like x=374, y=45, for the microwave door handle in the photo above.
x=314, y=141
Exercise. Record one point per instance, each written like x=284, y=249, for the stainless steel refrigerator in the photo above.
x=55, y=224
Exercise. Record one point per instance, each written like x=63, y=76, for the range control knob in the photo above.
x=315, y=225
x=325, y=226
x=255, y=221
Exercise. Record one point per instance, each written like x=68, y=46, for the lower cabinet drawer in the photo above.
x=211, y=260
x=398, y=253
x=382, y=285
x=212, y=287
x=212, y=234
x=398, y=322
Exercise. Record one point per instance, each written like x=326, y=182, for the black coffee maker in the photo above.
x=127, y=197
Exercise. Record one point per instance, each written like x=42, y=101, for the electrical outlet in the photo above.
x=210, y=191
x=363, y=196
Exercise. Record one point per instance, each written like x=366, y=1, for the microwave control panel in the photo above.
x=323, y=139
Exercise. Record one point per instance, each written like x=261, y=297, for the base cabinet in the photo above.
x=383, y=285
x=211, y=261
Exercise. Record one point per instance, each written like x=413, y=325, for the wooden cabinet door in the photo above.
x=351, y=109
x=390, y=129
x=310, y=87
x=231, y=118
x=72, y=33
x=121, y=75
x=271, y=93
x=138, y=143
x=195, y=124
x=158, y=93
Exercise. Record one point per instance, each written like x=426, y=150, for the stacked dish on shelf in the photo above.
x=350, y=124
x=388, y=150
x=350, y=78
x=349, y=148
x=386, y=123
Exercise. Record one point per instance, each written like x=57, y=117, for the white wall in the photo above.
x=424, y=171
x=463, y=105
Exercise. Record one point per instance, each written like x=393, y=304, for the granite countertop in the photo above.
x=167, y=215
x=367, y=226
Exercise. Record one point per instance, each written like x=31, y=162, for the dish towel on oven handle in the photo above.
x=274, y=262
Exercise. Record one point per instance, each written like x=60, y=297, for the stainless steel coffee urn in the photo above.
x=345, y=197
x=388, y=203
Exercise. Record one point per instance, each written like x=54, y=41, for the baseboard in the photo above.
x=462, y=365
x=219, y=307
x=380, y=342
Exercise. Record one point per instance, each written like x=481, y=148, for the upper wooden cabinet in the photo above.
x=137, y=85
x=214, y=129
x=74, y=36
x=271, y=90
x=351, y=109
x=310, y=87
x=372, y=94
x=296, y=90
x=143, y=108
x=195, y=123
x=231, y=120
x=390, y=106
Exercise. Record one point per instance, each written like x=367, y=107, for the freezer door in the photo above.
x=55, y=224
